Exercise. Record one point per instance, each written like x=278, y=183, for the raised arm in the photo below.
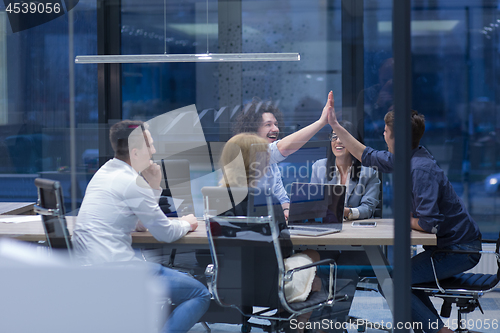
x=354, y=146
x=293, y=142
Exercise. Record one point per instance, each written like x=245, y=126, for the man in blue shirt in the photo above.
x=436, y=208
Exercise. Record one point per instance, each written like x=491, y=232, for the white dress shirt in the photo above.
x=116, y=198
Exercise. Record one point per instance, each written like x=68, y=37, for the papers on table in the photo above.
x=20, y=219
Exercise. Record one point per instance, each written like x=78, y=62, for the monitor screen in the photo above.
x=316, y=204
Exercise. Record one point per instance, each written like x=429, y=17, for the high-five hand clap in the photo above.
x=330, y=110
x=354, y=146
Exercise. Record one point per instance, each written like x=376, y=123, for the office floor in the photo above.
x=370, y=305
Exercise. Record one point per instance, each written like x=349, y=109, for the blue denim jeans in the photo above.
x=446, y=265
x=190, y=296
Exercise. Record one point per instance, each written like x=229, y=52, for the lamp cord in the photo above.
x=165, y=26
x=207, y=27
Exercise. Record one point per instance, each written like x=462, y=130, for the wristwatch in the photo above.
x=349, y=216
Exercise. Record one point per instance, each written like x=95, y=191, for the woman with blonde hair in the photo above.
x=244, y=160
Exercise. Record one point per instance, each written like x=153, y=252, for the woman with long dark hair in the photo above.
x=362, y=183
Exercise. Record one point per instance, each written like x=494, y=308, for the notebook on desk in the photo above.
x=316, y=209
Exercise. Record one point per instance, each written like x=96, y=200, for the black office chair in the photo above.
x=248, y=268
x=50, y=206
x=177, y=185
x=463, y=289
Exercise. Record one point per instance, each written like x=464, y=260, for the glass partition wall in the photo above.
x=454, y=85
x=220, y=91
x=35, y=106
x=345, y=46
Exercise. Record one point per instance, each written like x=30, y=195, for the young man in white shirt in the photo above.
x=124, y=191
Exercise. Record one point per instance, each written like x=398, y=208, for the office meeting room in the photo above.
x=204, y=166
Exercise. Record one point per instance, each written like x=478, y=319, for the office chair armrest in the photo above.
x=441, y=289
x=492, y=252
x=45, y=211
x=289, y=274
x=467, y=252
x=209, y=276
x=455, y=251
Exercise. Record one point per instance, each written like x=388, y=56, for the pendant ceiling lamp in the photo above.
x=203, y=57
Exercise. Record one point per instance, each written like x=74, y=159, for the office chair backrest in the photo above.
x=50, y=206
x=177, y=178
x=215, y=149
x=255, y=246
x=247, y=243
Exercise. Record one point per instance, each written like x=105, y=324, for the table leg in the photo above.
x=380, y=267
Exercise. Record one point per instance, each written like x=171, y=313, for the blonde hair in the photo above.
x=243, y=160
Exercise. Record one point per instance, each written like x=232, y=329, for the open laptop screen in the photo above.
x=241, y=202
x=316, y=204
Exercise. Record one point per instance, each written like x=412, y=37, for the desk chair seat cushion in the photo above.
x=299, y=288
x=468, y=281
x=316, y=297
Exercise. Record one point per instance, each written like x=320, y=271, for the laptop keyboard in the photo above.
x=309, y=229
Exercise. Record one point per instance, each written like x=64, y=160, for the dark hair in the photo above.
x=250, y=119
x=330, y=157
x=119, y=137
x=417, y=126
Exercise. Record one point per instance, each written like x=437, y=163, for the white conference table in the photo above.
x=16, y=208
x=368, y=239
x=382, y=234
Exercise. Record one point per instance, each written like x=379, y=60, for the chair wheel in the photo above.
x=246, y=328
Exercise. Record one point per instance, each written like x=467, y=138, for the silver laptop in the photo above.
x=316, y=209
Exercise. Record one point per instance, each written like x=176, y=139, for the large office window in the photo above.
x=311, y=29
x=345, y=46
x=454, y=85
x=454, y=75
x=454, y=64
x=35, y=104
x=220, y=90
